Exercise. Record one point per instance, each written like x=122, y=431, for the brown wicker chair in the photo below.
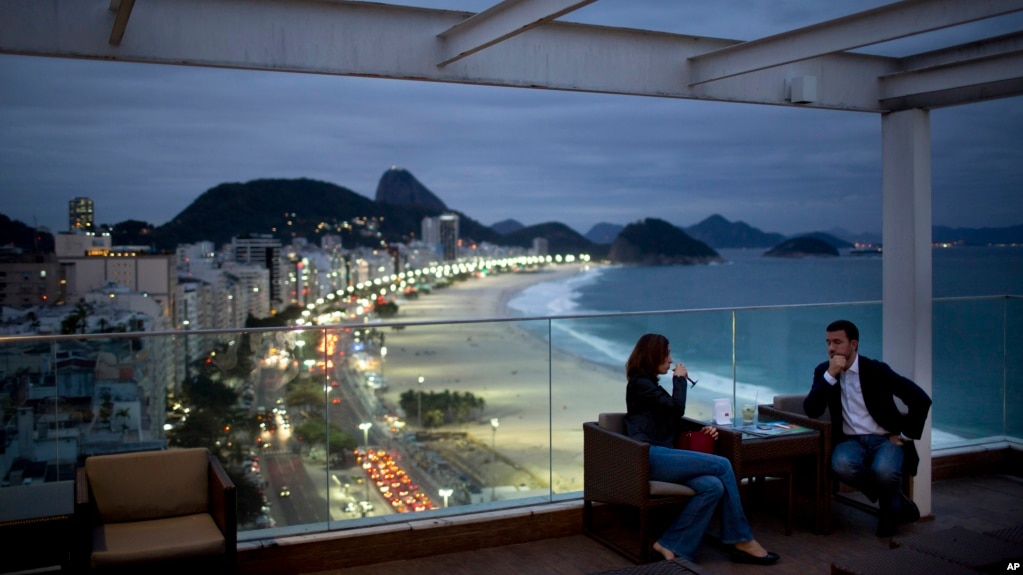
x=616, y=470
x=790, y=408
x=139, y=511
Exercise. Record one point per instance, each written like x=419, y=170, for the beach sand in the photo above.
x=541, y=397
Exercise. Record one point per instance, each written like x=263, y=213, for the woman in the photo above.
x=654, y=417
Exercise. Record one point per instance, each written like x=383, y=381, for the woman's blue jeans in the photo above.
x=713, y=480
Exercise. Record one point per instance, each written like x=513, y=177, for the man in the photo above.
x=872, y=438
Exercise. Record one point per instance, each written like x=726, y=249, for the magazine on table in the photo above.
x=772, y=428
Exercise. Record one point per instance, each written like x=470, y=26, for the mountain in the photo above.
x=398, y=186
x=300, y=208
x=828, y=238
x=802, y=246
x=561, y=239
x=604, y=233
x=861, y=238
x=29, y=240
x=718, y=232
x=978, y=236
x=504, y=227
x=656, y=242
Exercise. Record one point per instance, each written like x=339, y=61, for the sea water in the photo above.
x=754, y=353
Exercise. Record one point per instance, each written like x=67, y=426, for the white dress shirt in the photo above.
x=856, y=420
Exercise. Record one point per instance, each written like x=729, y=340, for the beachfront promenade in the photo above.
x=514, y=371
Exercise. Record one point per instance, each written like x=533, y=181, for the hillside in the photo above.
x=656, y=242
x=561, y=239
x=802, y=246
x=718, y=232
x=299, y=208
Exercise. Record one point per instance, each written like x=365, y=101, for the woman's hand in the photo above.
x=711, y=431
x=680, y=370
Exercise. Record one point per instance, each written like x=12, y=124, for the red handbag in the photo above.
x=696, y=441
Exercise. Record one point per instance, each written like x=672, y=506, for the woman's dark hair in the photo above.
x=647, y=356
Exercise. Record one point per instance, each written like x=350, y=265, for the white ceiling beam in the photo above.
x=971, y=50
x=500, y=22
x=377, y=40
x=965, y=81
x=123, y=10
x=889, y=22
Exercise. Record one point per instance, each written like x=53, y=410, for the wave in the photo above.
x=559, y=297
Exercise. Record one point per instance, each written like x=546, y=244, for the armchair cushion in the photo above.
x=156, y=540
x=149, y=485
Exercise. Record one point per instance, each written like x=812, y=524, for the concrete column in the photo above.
x=906, y=234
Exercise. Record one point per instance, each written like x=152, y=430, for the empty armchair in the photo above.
x=155, y=507
x=616, y=470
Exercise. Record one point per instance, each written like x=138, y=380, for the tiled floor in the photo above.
x=978, y=503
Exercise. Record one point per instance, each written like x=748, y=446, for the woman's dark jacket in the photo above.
x=652, y=415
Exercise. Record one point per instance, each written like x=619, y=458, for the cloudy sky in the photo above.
x=144, y=141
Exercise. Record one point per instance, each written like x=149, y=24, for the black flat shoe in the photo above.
x=739, y=556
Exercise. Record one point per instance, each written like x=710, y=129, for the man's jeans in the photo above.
x=873, y=465
x=713, y=480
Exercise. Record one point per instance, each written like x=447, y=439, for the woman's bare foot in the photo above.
x=752, y=547
x=664, y=551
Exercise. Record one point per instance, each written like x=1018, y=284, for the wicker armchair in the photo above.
x=790, y=408
x=138, y=511
x=616, y=470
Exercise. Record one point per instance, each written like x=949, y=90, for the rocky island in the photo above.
x=656, y=242
x=801, y=247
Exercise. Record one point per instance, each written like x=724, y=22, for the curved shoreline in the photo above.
x=534, y=390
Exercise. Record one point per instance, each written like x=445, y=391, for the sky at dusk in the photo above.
x=144, y=141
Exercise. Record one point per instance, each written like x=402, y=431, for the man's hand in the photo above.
x=894, y=438
x=711, y=431
x=836, y=365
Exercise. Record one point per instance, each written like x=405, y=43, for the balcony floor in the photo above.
x=979, y=503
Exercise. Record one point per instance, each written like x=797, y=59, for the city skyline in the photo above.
x=144, y=141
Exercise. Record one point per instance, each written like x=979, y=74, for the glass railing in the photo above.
x=332, y=427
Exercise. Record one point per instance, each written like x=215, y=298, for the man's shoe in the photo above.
x=886, y=525
x=909, y=513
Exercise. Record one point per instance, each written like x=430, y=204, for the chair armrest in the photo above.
x=81, y=489
x=223, y=506
x=616, y=468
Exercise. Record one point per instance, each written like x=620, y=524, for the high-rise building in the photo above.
x=449, y=236
x=263, y=250
x=80, y=215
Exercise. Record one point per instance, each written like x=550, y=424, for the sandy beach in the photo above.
x=540, y=397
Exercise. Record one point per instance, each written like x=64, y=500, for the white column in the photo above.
x=906, y=234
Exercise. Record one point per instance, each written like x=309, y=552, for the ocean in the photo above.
x=775, y=350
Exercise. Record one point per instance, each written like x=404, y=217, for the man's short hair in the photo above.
x=850, y=329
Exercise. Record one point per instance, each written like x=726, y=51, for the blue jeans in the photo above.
x=873, y=465
x=713, y=480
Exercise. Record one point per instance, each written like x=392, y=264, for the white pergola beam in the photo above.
x=998, y=76
x=123, y=10
x=502, y=21
x=889, y=22
x=400, y=42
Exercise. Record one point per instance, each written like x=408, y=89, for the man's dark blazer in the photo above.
x=880, y=385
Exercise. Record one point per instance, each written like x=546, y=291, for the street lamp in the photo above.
x=365, y=440
x=383, y=354
x=445, y=493
x=419, y=416
x=493, y=459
